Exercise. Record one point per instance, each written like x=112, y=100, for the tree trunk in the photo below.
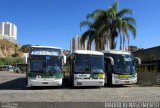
x=121, y=42
x=112, y=43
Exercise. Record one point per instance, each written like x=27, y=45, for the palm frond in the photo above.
x=130, y=20
x=85, y=23
x=115, y=5
x=124, y=12
x=90, y=15
x=86, y=35
x=132, y=30
x=94, y=14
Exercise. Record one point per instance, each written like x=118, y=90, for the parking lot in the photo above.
x=12, y=89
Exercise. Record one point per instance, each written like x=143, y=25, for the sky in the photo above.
x=54, y=22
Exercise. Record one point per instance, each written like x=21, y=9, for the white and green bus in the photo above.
x=120, y=67
x=86, y=68
x=44, y=66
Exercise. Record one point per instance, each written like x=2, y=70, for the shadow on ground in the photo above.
x=20, y=84
x=16, y=84
x=120, y=86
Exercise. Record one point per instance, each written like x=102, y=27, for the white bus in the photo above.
x=44, y=66
x=120, y=67
x=86, y=68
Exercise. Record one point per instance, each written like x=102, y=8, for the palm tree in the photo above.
x=89, y=35
x=109, y=24
x=94, y=32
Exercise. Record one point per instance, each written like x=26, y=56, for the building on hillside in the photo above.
x=8, y=31
x=76, y=45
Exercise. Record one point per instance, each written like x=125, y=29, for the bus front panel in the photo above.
x=89, y=79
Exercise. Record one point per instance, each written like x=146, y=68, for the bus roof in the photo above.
x=46, y=47
x=88, y=52
x=116, y=52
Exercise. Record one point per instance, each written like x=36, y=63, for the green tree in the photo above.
x=11, y=61
x=108, y=25
x=25, y=48
x=16, y=49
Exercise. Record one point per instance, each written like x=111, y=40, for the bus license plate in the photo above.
x=127, y=82
x=44, y=82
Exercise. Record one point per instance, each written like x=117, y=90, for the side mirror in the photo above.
x=25, y=58
x=137, y=60
x=64, y=59
x=111, y=60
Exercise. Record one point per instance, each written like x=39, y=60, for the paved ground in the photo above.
x=12, y=89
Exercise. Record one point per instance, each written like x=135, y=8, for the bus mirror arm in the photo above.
x=111, y=60
x=138, y=60
x=64, y=59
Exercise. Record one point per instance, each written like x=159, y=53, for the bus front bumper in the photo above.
x=124, y=81
x=44, y=82
x=89, y=82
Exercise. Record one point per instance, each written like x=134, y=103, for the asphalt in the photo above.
x=13, y=89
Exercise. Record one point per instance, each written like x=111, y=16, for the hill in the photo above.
x=9, y=49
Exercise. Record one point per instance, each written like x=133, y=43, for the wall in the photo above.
x=147, y=78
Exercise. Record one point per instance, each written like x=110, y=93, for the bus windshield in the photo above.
x=89, y=63
x=123, y=64
x=45, y=64
x=97, y=63
x=37, y=64
x=53, y=65
x=82, y=63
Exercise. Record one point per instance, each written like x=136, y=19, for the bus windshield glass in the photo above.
x=89, y=63
x=53, y=64
x=37, y=64
x=97, y=63
x=45, y=64
x=123, y=64
x=82, y=63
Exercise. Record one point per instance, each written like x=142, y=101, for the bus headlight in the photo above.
x=101, y=76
